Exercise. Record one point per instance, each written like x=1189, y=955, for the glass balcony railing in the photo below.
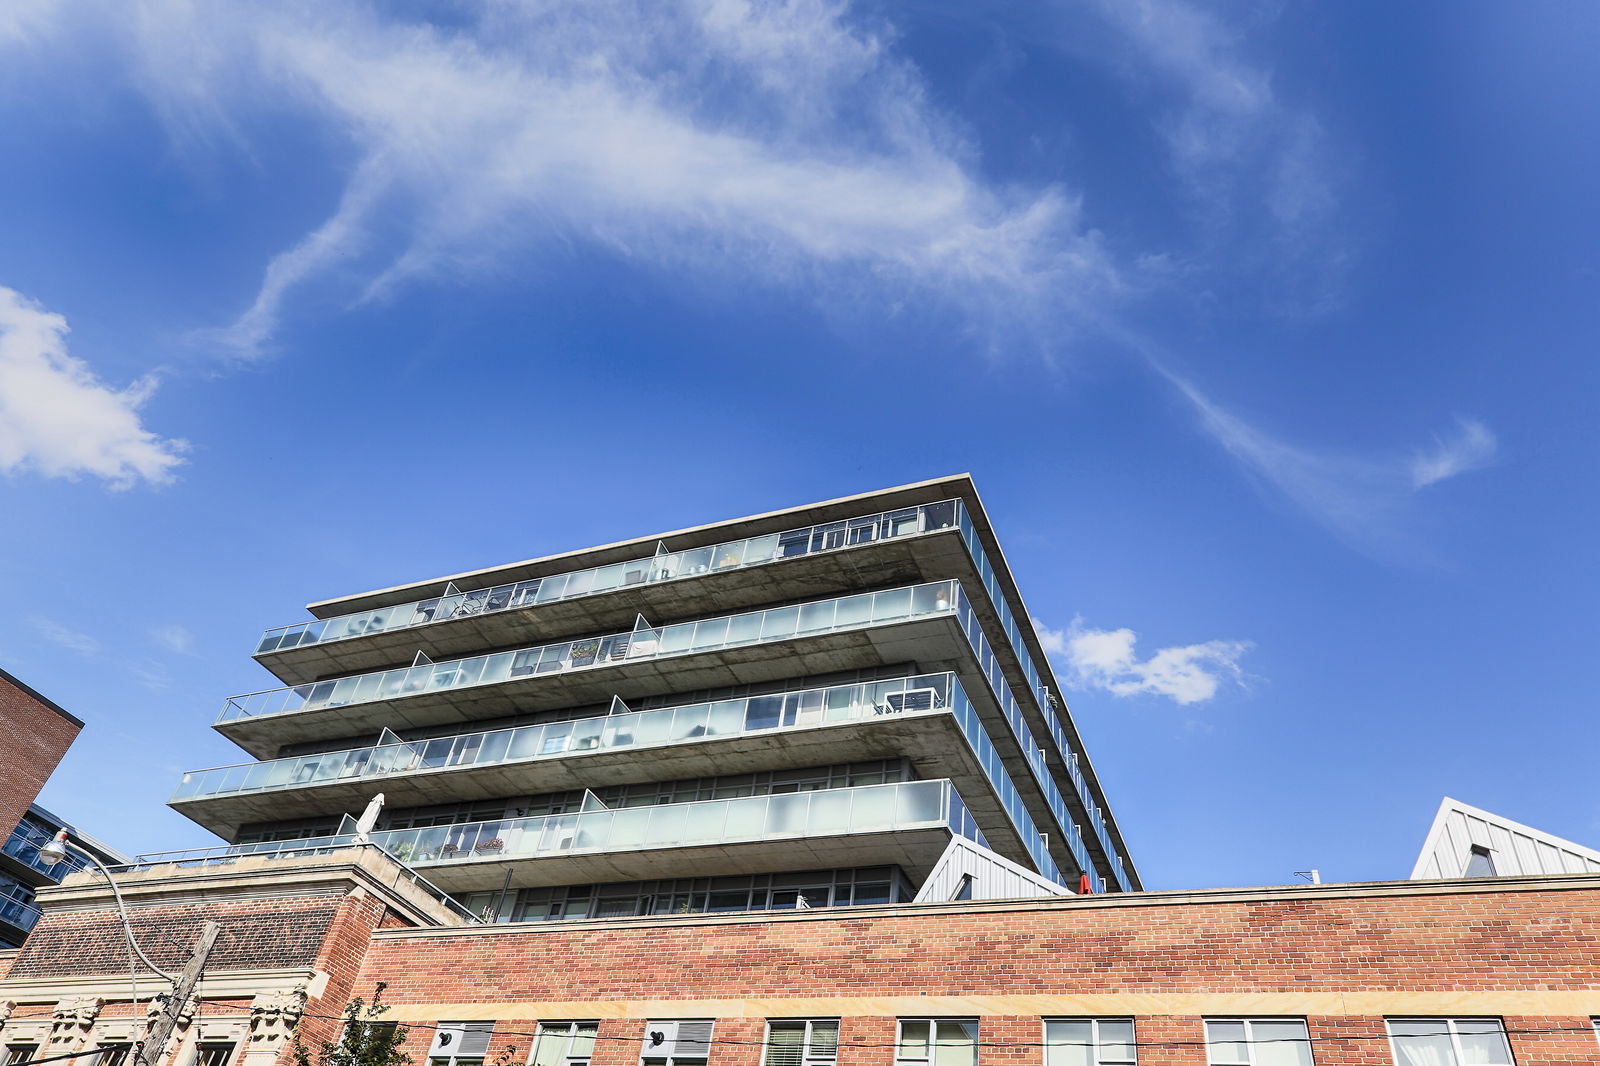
x=904, y=805
x=664, y=566
x=1041, y=691
x=17, y=914
x=687, y=638
x=24, y=843
x=751, y=715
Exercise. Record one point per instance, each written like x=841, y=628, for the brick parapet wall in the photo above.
x=256, y=934
x=34, y=735
x=1342, y=960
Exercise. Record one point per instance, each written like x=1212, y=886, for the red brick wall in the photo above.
x=33, y=738
x=1472, y=939
x=256, y=934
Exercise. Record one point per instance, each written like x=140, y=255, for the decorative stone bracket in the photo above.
x=273, y=1016
x=73, y=1018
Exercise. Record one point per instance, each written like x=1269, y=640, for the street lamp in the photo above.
x=57, y=850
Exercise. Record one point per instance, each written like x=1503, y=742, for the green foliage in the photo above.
x=366, y=1040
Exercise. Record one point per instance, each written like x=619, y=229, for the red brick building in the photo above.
x=1325, y=971
x=34, y=734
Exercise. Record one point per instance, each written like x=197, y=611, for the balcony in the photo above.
x=770, y=646
x=732, y=574
x=23, y=845
x=907, y=824
x=787, y=729
x=18, y=915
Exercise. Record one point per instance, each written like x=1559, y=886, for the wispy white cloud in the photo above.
x=1255, y=165
x=68, y=638
x=59, y=419
x=1107, y=660
x=1470, y=447
x=786, y=143
x=1364, y=500
x=174, y=638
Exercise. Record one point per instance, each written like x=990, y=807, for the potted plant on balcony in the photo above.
x=492, y=844
x=584, y=651
x=449, y=851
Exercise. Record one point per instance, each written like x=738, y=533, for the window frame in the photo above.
x=459, y=1058
x=1249, y=1036
x=567, y=1032
x=1095, y=1043
x=933, y=1023
x=807, y=1056
x=205, y=1049
x=1449, y=1023
x=670, y=1059
x=21, y=1052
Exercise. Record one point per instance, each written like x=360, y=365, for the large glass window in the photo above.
x=565, y=1043
x=1089, y=1042
x=1258, y=1042
x=1449, y=1042
x=937, y=1042
x=802, y=1042
x=214, y=1055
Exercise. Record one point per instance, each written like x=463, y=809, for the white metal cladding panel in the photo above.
x=993, y=876
x=1514, y=848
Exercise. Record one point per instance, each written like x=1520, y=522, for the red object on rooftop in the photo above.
x=1084, y=887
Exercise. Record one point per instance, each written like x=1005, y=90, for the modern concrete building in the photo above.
x=35, y=734
x=841, y=703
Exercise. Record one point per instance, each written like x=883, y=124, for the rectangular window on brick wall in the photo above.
x=111, y=1055
x=565, y=1043
x=676, y=1043
x=19, y=1053
x=937, y=1042
x=1089, y=1042
x=1449, y=1042
x=802, y=1042
x=213, y=1055
x=460, y=1043
x=1258, y=1042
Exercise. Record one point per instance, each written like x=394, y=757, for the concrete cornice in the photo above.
x=690, y=537
x=335, y=873
x=940, y=911
x=214, y=984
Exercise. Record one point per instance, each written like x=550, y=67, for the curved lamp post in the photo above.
x=57, y=850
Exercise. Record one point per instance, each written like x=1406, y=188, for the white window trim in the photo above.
x=807, y=1057
x=1448, y=1024
x=1250, y=1037
x=1094, y=1036
x=933, y=1038
x=437, y=1054
x=668, y=1050
x=566, y=1033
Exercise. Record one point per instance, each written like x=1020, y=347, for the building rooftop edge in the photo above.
x=649, y=540
x=938, y=911
x=42, y=698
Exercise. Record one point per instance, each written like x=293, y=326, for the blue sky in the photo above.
x=1267, y=330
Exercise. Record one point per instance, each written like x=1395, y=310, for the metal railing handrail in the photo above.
x=642, y=570
x=225, y=854
x=652, y=642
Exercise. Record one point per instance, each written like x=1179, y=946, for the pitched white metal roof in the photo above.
x=1513, y=848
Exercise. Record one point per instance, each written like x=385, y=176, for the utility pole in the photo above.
x=148, y=1052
